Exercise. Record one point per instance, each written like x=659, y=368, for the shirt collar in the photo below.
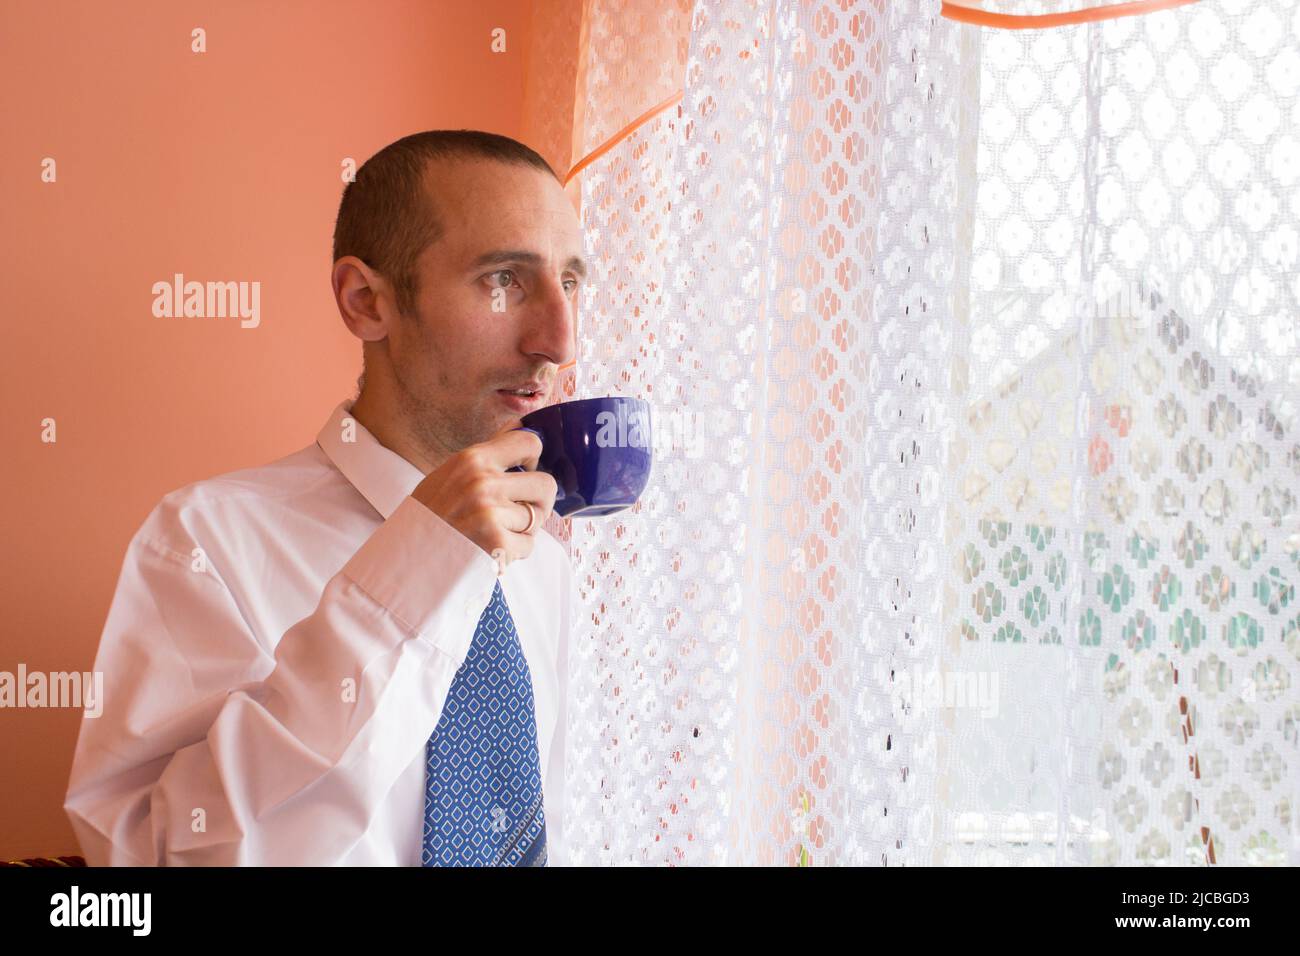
x=382, y=476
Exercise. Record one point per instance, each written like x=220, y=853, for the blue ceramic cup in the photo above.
x=597, y=450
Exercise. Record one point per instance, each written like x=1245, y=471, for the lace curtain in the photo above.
x=974, y=358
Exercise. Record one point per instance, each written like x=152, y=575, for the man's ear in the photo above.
x=364, y=298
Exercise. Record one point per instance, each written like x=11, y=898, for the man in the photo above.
x=357, y=654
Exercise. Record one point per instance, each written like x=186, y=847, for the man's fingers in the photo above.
x=512, y=447
x=514, y=518
x=536, y=486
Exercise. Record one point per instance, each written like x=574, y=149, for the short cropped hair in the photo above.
x=387, y=217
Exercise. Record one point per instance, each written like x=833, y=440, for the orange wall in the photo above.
x=224, y=166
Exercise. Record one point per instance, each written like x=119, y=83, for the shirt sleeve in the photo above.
x=210, y=751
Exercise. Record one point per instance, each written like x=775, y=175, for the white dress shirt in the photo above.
x=268, y=698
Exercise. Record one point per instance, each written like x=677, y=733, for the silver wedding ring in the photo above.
x=532, y=517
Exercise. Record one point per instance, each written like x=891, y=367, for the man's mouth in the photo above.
x=524, y=399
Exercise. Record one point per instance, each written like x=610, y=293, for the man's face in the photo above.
x=508, y=228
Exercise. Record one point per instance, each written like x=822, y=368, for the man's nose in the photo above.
x=552, y=326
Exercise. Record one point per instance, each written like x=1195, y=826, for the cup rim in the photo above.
x=594, y=398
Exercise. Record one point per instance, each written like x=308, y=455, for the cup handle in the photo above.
x=525, y=428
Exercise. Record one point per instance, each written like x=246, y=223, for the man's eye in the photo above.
x=503, y=272
x=573, y=283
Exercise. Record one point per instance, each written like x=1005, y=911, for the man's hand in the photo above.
x=473, y=492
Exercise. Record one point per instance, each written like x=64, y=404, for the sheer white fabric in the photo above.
x=972, y=531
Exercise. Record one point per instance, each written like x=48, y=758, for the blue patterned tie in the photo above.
x=483, y=789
